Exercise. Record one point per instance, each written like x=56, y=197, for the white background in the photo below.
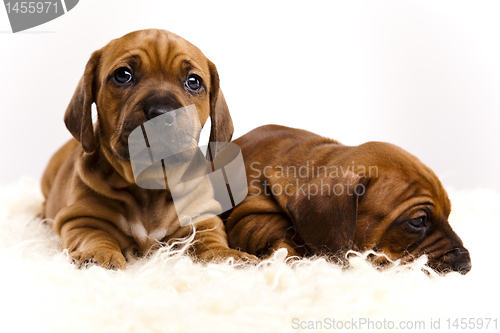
x=424, y=75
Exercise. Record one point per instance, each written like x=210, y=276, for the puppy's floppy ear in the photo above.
x=78, y=116
x=221, y=129
x=324, y=212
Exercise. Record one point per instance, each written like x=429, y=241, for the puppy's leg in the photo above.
x=90, y=241
x=263, y=234
x=211, y=243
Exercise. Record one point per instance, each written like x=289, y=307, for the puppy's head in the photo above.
x=137, y=77
x=391, y=203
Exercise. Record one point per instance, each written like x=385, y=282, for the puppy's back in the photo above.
x=275, y=143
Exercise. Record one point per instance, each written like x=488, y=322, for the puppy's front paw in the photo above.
x=222, y=255
x=109, y=259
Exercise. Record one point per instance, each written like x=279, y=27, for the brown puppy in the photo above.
x=311, y=194
x=89, y=186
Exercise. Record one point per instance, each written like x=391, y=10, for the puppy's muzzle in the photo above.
x=457, y=260
x=155, y=106
x=158, y=110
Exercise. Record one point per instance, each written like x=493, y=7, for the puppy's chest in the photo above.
x=152, y=219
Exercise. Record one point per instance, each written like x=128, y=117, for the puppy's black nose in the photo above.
x=463, y=268
x=460, y=260
x=157, y=110
x=159, y=103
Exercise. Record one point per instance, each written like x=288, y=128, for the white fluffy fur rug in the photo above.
x=40, y=291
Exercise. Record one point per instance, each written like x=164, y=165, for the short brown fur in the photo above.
x=278, y=214
x=89, y=187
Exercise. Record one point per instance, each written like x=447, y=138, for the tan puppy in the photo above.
x=90, y=191
x=313, y=195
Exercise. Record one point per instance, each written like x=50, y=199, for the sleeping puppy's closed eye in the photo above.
x=311, y=194
x=89, y=184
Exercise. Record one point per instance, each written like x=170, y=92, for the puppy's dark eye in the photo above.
x=123, y=75
x=193, y=82
x=418, y=223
